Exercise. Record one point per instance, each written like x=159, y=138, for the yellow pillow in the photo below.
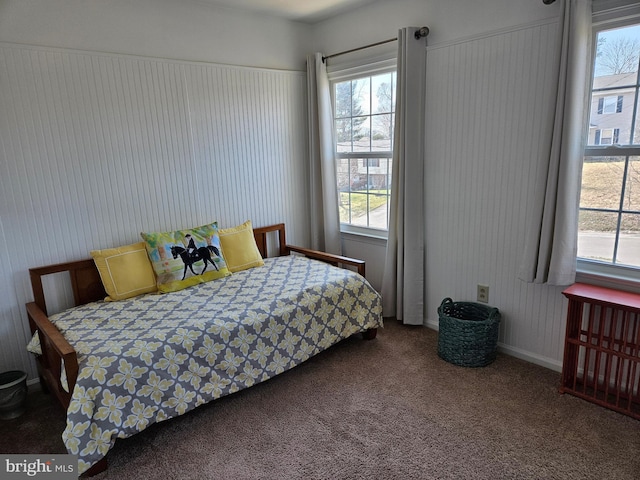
x=239, y=247
x=125, y=271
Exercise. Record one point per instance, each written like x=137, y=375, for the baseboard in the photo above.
x=536, y=359
x=33, y=382
x=549, y=363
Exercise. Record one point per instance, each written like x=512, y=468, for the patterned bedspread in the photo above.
x=155, y=357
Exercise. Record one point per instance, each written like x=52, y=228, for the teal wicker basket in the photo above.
x=468, y=333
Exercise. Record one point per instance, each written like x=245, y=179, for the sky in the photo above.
x=632, y=32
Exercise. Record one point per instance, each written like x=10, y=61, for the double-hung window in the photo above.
x=609, y=221
x=363, y=108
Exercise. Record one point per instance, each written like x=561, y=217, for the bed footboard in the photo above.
x=57, y=353
x=336, y=260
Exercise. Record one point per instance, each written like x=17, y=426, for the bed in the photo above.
x=118, y=367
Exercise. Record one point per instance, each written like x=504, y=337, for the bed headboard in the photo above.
x=87, y=285
x=261, y=235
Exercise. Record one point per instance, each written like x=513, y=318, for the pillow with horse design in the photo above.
x=184, y=258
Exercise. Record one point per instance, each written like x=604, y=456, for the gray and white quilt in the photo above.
x=154, y=357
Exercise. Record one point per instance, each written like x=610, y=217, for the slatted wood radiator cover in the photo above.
x=602, y=348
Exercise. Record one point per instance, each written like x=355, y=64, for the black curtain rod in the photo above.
x=422, y=32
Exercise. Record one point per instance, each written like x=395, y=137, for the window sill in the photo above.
x=610, y=276
x=362, y=232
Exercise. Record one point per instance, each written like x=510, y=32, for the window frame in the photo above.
x=353, y=71
x=590, y=270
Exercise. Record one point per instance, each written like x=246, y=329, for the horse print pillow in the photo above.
x=184, y=258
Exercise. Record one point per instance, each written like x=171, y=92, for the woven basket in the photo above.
x=468, y=333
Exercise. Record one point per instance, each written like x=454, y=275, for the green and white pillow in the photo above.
x=184, y=258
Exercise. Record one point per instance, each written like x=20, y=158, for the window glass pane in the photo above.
x=343, y=135
x=629, y=242
x=342, y=172
x=377, y=174
x=344, y=206
x=618, y=51
x=602, y=182
x=379, y=209
x=632, y=188
x=596, y=235
x=381, y=132
x=357, y=175
x=596, y=221
x=342, y=100
x=383, y=89
x=361, y=97
x=362, y=134
x=365, y=202
x=611, y=114
x=359, y=209
x=614, y=87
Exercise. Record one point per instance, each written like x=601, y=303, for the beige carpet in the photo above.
x=382, y=409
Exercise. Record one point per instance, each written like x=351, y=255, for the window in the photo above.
x=364, y=109
x=610, y=104
x=374, y=162
x=609, y=221
x=607, y=136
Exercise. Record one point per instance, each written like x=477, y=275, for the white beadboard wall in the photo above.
x=487, y=109
x=95, y=148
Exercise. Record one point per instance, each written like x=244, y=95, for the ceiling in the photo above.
x=308, y=11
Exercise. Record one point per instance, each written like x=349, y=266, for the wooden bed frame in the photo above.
x=87, y=287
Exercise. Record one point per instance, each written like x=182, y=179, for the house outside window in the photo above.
x=609, y=220
x=364, y=109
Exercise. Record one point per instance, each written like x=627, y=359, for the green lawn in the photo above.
x=358, y=201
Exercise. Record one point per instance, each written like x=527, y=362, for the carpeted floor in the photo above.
x=382, y=409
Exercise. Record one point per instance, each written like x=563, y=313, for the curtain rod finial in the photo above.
x=422, y=32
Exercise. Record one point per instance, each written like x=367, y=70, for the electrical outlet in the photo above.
x=483, y=293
